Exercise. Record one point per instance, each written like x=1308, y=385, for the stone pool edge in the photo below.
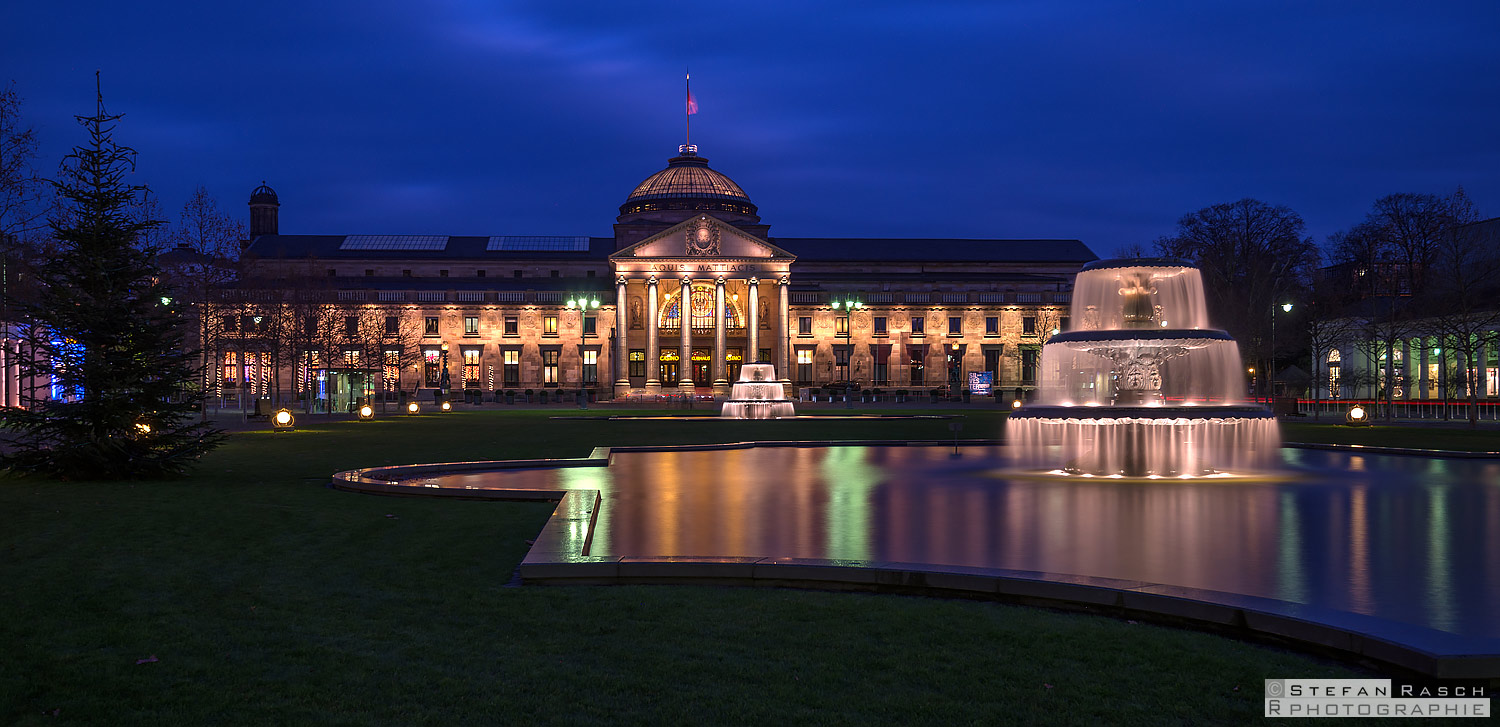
x=560, y=556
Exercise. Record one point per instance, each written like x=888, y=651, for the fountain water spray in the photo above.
x=757, y=395
x=1143, y=388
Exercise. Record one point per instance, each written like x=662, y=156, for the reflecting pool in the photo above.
x=1410, y=539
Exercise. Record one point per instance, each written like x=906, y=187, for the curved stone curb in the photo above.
x=561, y=555
x=1402, y=451
x=1412, y=649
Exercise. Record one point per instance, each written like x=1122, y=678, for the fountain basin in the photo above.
x=1144, y=442
x=757, y=395
x=757, y=409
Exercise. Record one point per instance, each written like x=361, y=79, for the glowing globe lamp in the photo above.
x=1357, y=417
x=367, y=412
x=282, y=420
x=413, y=409
x=447, y=406
x=1015, y=404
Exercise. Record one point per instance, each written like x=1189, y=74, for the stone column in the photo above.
x=1480, y=364
x=752, y=334
x=1422, y=371
x=653, y=350
x=1407, y=369
x=783, y=325
x=721, y=384
x=622, y=347
x=685, y=321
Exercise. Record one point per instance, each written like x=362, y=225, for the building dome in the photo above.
x=264, y=195
x=688, y=184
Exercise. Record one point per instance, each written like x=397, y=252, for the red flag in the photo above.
x=692, y=104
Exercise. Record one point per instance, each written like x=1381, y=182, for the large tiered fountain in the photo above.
x=757, y=395
x=1142, y=387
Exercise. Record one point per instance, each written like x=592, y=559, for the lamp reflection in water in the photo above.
x=1311, y=540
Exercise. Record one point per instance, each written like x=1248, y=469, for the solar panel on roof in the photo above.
x=538, y=243
x=394, y=242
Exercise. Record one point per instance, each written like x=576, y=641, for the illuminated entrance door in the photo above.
x=733, y=359
x=669, y=366
x=701, y=363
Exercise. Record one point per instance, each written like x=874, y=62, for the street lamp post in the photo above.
x=1271, y=375
x=848, y=306
x=582, y=303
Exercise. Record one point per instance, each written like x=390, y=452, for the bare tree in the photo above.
x=202, y=263
x=1252, y=256
x=24, y=195
x=1323, y=336
x=1412, y=228
x=1462, y=287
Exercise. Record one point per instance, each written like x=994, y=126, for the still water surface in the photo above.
x=1409, y=539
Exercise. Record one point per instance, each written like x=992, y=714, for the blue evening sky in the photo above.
x=1102, y=121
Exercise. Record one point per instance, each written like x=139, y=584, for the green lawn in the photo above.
x=267, y=598
x=1396, y=435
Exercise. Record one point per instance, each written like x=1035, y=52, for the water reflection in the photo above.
x=1409, y=539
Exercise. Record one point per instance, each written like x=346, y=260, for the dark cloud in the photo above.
x=1104, y=121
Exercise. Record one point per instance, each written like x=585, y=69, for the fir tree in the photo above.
x=107, y=333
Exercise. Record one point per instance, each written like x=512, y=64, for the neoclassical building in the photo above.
x=690, y=286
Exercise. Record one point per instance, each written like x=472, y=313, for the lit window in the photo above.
x=702, y=305
x=549, y=325
x=471, y=325
x=391, y=369
x=590, y=367
x=549, y=368
x=432, y=365
x=637, y=362
x=471, y=368
x=804, y=365
x=512, y=366
x=841, y=325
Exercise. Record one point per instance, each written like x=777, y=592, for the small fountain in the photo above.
x=757, y=395
x=1143, y=388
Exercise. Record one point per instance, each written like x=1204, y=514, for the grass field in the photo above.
x=252, y=594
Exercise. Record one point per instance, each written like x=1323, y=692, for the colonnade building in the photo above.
x=691, y=286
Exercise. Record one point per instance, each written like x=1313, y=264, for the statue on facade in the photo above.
x=635, y=312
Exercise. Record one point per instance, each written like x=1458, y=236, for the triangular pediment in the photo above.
x=703, y=237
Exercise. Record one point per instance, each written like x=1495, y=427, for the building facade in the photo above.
x=690, y=287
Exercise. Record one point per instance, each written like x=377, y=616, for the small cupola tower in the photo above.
x=263, y=211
